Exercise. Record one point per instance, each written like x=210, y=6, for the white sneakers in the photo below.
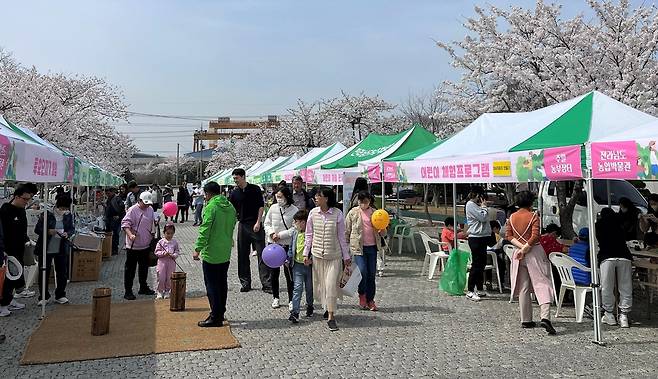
x=62, y=300
x=166, y=295
x=276, y=304
x=623, y=320
x=25, y=294
x=290, y=306
x=609, y=319
x=4, y=311
x=473, y=296
x=15, y=305
x=158, y=295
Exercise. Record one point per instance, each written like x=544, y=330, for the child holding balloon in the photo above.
x=363, y=233
x=167, y=250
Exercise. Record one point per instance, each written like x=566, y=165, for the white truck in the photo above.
x=605, y=192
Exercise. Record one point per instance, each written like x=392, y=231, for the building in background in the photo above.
x=142, y=160
x=225, y=129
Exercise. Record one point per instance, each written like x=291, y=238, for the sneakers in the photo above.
x=546, y=324
x=309, y=311
x=528, y=324
x=623, y=320
x=46, y=301
x=129, y=296
x=275, y=303
x=290, y=306
x=25, y=294
x=482, y=294
x=158, y=296
x=372, y=306
x=609, y=319
x=62, y=300
x=294, y=318
x=325, y=315
x=4, y=311
x=363, y=304
x=15, y=305
x=473, y=296
x=166, y=295
x=146, y=291
x=332, y=325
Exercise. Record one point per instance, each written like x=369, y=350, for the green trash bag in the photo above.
x=453, y=278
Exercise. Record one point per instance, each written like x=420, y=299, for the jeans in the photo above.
x=198, y=209
x=246, y=240
x=303, y=281
x=133, y=258
x=617, y=271
x=215, y=277
x=61, y=274
x=367, y=264
x=115, y=228
x=478, y=247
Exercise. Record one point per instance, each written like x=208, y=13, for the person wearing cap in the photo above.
x=138, y=224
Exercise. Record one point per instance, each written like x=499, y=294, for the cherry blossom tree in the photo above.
x=72, y=112
x=520, y=59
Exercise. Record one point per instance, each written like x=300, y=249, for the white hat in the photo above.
x=146, y=197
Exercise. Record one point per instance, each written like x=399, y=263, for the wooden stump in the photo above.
x=178, y=287
x=107, y=245
x=100, y=311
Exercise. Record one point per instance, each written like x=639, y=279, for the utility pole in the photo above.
x=177, y=162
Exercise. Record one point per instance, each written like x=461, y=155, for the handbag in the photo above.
x=349, y=280
x=153, y=259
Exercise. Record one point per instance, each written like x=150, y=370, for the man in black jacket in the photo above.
x=14, y=224
x=303, y=201
x=114, y=212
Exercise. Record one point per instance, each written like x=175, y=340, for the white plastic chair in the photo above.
x=564, y=264
x=463, y=246
x=402, y=232
x=432, y=258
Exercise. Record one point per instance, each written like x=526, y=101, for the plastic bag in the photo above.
x=349, y=280
x=453, y=278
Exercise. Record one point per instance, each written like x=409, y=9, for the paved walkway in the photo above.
x=418, y=332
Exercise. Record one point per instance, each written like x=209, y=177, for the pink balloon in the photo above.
x=170, y=209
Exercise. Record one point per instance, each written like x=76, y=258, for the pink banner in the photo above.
x=374, y=174
x=563, y=163
x=615, y=160
x=390, y=172
x=5, y=153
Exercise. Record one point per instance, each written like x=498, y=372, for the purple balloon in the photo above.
x=274, y=255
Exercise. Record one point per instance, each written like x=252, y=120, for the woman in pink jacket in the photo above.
x=167, y=250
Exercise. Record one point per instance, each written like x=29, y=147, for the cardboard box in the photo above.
x=91, y=242
x=86, y=265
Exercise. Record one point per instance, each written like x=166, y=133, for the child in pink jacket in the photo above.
x=167, y=251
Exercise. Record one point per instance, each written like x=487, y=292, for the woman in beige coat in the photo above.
x=365, y=243
x=325, y=243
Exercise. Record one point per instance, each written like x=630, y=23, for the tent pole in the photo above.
x=607, y=185
x=596, y=293
x=454, y=206
x=381, y=170
x=44, y=245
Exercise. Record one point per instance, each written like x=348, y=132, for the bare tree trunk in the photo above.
x=566, y=207
x=435, y=194
x=426, y=205
x=510, y=191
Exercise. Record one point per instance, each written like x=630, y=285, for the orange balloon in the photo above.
x=380, y=219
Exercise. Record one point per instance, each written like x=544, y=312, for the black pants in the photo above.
x=275, y=273
x=478, y=247
x=490, y=276
x=10, y=285
x=183, y=211
x=134, y=258
x=115, y=228
x=215, y=277
x=246, y=239
x=62, y=274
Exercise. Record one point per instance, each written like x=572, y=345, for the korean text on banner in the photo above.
x=615, y=160
x=563, y=163
x=390, y=172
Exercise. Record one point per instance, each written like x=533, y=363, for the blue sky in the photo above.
x=216, y=58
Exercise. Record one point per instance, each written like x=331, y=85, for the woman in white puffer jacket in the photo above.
x=279, y=227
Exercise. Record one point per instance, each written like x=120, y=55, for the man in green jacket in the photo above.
x=213, y=248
